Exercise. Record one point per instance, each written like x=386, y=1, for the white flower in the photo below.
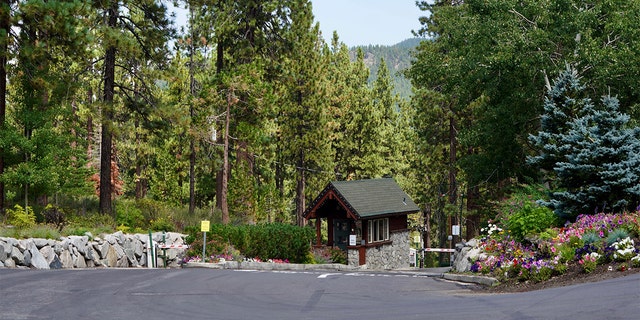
x=491, y=228
x=624, y=249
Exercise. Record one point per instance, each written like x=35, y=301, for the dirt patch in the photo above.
x=574, y=275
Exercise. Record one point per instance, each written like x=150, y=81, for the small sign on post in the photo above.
x=455, y=230
x=204, y=227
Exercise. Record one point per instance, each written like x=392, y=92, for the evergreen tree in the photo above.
x=562, y=104
x=593, y=152
x=5, y=30
x=303, y=117
x=391, y=138
x=45, y=156
x=361, y=126
x=132, y=34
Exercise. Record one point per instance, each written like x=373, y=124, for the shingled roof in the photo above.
x=366, y=198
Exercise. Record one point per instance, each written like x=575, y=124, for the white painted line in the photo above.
x=325, y=275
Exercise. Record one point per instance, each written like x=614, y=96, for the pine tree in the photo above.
x=593, y=153
x=391, y=137
x=5, y=29
x=303, y=117
x=562, y=104
x=44, y=159
x=132, y=34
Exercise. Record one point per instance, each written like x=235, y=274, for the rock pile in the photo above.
x=466, y=254
x=116, y=250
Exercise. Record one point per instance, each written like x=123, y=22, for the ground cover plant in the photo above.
x=592, y=242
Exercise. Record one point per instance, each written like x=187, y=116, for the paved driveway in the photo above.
x=234, y=294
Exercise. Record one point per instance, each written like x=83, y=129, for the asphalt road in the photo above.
x=234, y=294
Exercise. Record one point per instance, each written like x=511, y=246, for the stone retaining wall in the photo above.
x=116, y=250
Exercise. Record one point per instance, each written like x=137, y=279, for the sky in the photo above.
x=364, y=22
x=360, y=22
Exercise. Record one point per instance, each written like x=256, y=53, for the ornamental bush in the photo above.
x=530, y=219
x=263, y=242
x=21, y=218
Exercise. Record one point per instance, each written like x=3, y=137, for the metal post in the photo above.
x=164, y=249
x=151, y=251
x=204, y=246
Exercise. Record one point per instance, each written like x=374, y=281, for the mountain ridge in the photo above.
x=397, y=57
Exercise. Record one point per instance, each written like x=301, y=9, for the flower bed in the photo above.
x=591, y=241
x=223, y=258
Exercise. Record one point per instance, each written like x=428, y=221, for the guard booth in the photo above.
x=367, y=219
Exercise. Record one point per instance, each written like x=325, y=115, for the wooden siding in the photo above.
x=398, y=223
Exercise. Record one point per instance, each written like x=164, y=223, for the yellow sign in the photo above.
x=204, y=226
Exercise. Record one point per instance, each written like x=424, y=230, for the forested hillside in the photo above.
x=110, y=108
x=246, y=113
x=398, y=59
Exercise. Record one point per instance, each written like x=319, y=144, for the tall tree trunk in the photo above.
x=279, y=168
x=192, y=145
x=300, y=199
x=5, y=27
x=107, y=118
x=225, y=163
x=441, y=217
x=453, y=187
x=473, y=219
x=141, y=182
x=220, y=173
x=90, y=132
x=426, y=232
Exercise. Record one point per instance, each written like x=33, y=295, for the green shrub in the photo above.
x=128, y=215
x=329, y=255
x=265, y=241
x=548, y=234
x=95, y=223
x=216, y=245
x=162, y=224
x=54, y=215
x=566, y=253
x=21, y=218
x=560, y=269
x=542, y=274
x=530, y=219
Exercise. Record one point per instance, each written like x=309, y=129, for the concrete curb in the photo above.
x=250, y=265
x=487, y=281
x=442, y=273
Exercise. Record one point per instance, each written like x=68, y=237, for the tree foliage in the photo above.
x=483, y=67
x=588, y=150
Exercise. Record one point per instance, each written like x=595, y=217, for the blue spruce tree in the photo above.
x=593, y=157
x=562, y=104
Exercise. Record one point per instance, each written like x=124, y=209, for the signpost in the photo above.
x=204, y=227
